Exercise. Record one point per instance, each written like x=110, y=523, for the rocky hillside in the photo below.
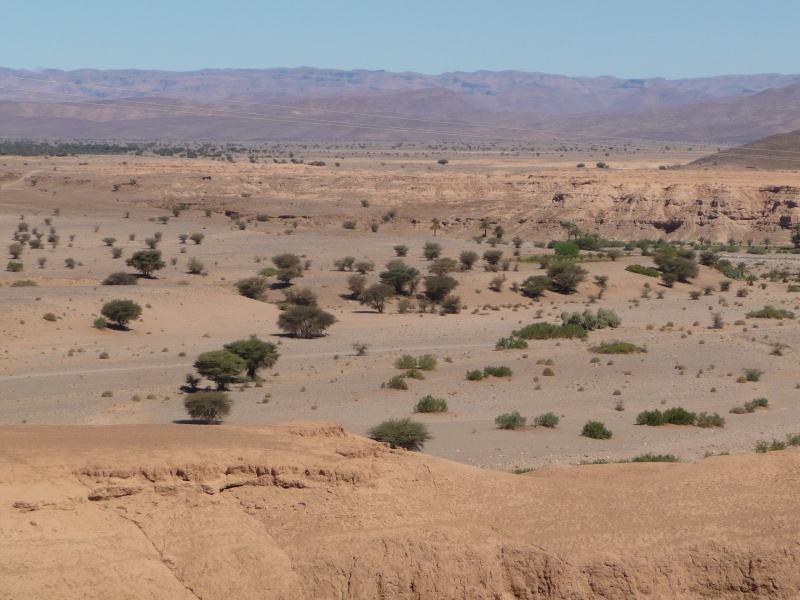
x=308, y=511
x=773, y=153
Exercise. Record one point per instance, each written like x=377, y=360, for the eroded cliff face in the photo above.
x=628, y=202
x=307, y=511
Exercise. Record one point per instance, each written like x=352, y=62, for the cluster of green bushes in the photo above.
x=617, y=347
x=513, y=420
x=510, y=343
x=548, y=331
x=501, y=371
x=765, y=446
x=750, y=407
x=640, y=270
x=678, y=416
x=770, y=312
x=590, y=321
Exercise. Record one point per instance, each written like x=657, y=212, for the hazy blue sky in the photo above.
x=624, y=38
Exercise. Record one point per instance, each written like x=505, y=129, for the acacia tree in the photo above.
x=565, y=277
x=121, y=312
x=403, y=278
x=256, y=354
x=220, y=366
x=305, y=321
x=377, y=295
x=146, y=261
x=288, y=267
x=208, y=407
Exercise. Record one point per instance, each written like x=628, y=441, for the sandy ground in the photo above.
x=306, y=511
x=51, y=373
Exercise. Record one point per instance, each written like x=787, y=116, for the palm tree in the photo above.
x=436, y=225
x=485, y=225
x=498, y=232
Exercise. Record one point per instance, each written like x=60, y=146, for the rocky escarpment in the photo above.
x=306, y=511
x=621, y=204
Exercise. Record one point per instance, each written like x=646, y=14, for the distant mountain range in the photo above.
x=323, y=104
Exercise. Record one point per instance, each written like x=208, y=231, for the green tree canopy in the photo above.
x=256, y=354
x=220, y=366
x=121, y=312
x=146, y=261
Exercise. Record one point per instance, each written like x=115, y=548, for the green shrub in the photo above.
x=510, y=420
x=414, y=374
x=617, y=347
x=752, y=374
x=497, y=372
x=426, y=362
x=653, y=418
x=14, y=266
x=649, y=457
x=640, y=270
x=793, y=439
x=547, y=419
x=100, y=323
x=596, y=430
x=765, y=446
x=209, y=407
x=591, y=321
x=547, y=331
x=566, y=249
x=755, y=403
x=770, y=312
x=397, y=382
x=401, y=433
x=120, y=278
x=405, y=362
x=679, y=416
x=510, y=343
x=50, y=317
x=349, y=224
x=474, y=375
x=793, y=288
x=713, y=420
x=24, y=283
x=430, y=404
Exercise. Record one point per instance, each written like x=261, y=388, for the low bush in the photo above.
x=100, y=323
x=497, y=372
x=765, y=446
x=591, y=321
x=208, y=407
x=596, y=430
x=397, y=382
x=640, y=270
x=649, y=457
x=548, y=331
x=121, y=278
x=653, y=418
x=510, y=420
x=405, y=362
x=547, y=419
x=679, y=416
x=431, y=404
x=770, y=312
x=617, y=347
x=752, y=374
x=401, y=433
x=713, y=420
x=426, y=362
x=755, y=403
x=474, y=375
x=510, y=343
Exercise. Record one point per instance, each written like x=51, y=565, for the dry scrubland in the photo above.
x=148, y=508
x=52, y=371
